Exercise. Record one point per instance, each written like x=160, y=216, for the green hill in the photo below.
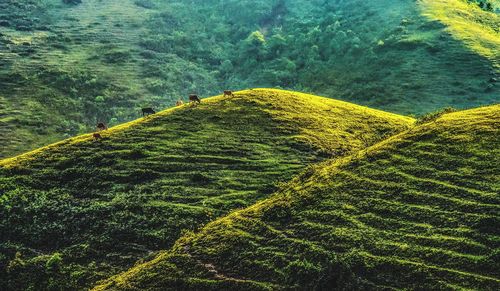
x=63, y=67
x=419, y=210
x=476, y=28
x=80, y=210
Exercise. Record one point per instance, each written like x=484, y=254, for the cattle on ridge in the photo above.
x=147, y=111
x=193, y=98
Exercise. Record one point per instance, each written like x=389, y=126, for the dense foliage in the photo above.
x=63, y=67
x=418, y=211
x=82, y=210
x=486, y=5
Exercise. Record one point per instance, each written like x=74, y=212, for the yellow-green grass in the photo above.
x=419, y=210
x=478, y=29
x=79, y=211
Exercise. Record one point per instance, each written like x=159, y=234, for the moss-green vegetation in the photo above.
x=487, y=5
x=63, y=67
x=80, y=210
x=420, y=210
x=433, y=116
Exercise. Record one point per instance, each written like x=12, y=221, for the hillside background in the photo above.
x=65, y=66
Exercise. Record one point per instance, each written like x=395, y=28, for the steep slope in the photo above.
x=65, y=67
x=80, y=210
x=420, y=210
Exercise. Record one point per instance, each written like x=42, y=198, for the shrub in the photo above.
x=114, y=57
x=433, y=116
x=488, y=224
x=485, y=5
x=54, y=262
x=200, y=178
x=278, y=212
x=72, y=2
x=148, y=4
x=303, y=273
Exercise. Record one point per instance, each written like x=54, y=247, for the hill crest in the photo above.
x=301, y=105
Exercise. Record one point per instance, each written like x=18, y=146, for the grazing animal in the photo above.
x=97, y=136
x=147, y=111
x=228, y=93
x=194, y=98
x=179, y=103
x=101, y=126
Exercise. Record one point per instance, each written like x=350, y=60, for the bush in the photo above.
x=115, y=57
x=54, y=262
x=200, y=178
x=303, y=273
x=278, y=212
x=72, y=2
x=148, y=4
x=433, y=116
x=136, y=153
x=489, y=225
x=485, y=5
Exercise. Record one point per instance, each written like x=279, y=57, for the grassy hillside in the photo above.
x=478, y=29
x=81, y=210
x=65, y=67
x=419, y=210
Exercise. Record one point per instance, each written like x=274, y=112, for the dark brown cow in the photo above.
x=194, y=98
x=101, y=126
x=147, y=111
x=228, y=93
x=97, y=136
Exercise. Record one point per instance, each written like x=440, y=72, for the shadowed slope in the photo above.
x=79, y=210
x=419, y=210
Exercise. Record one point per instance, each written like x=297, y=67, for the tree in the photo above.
x=254, y=46
x=72, y=2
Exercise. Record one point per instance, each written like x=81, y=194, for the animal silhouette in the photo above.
x=97, y=136
x=147, y=111
x=194, y=98
x=101, y=126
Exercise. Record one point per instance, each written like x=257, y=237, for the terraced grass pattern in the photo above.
x=419, y=210
x=391, y=181
x=92, y=209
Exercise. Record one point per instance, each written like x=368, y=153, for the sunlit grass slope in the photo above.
x=419, y=210
x=478, y=29
x=80, y=210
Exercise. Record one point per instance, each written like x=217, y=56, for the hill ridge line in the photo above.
x=144, y=120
